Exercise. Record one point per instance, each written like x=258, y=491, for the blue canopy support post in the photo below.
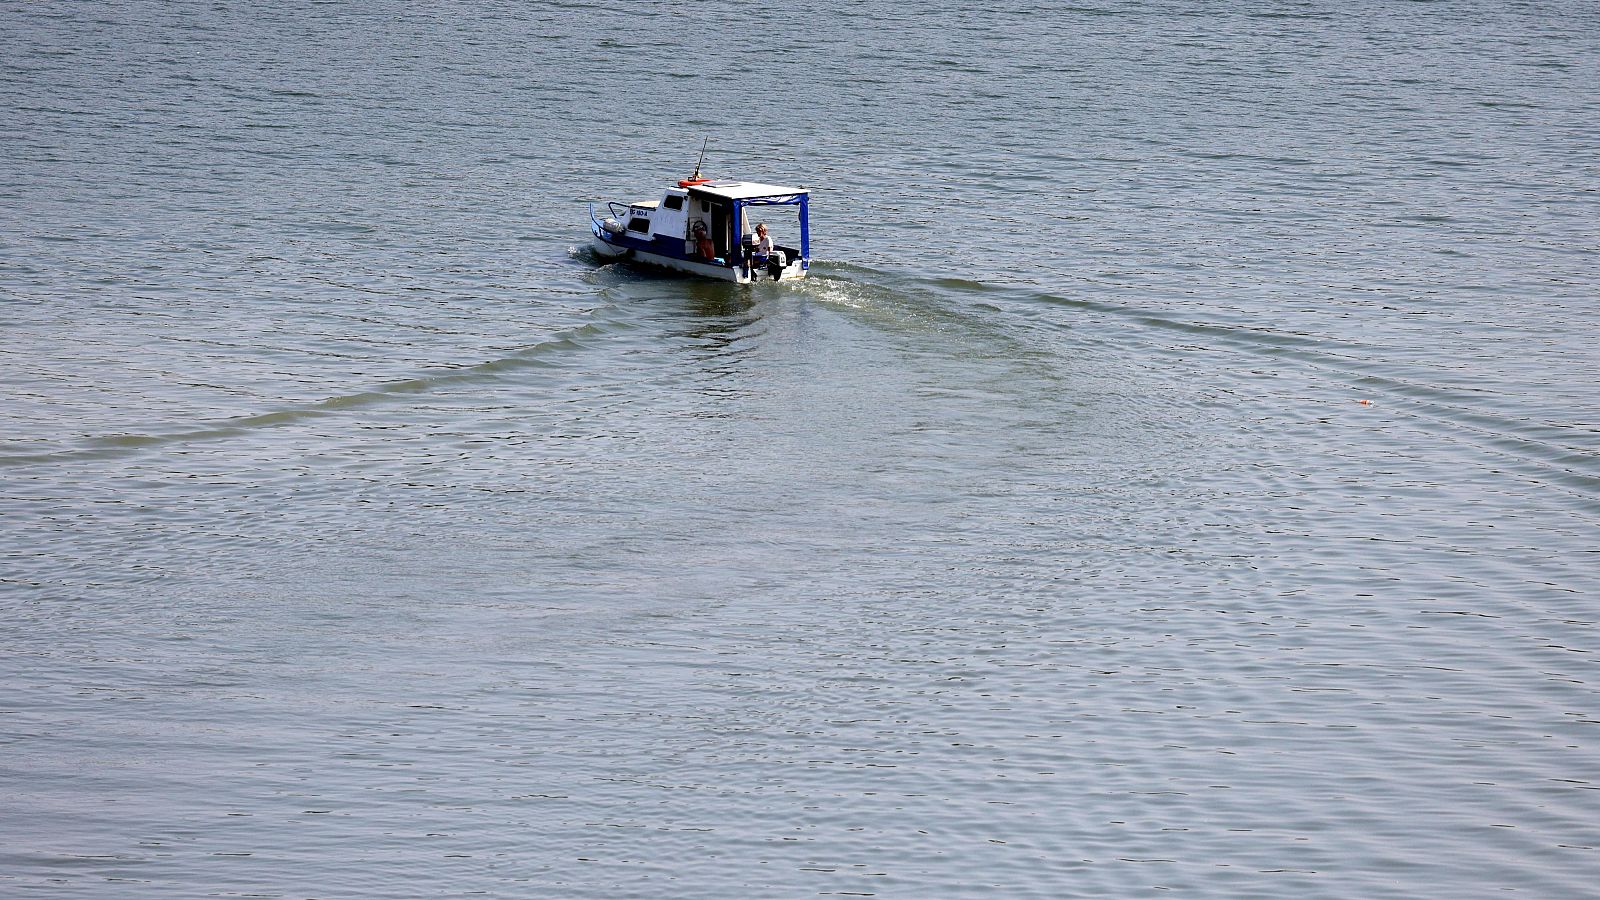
x=805, y=231
x=736, y=242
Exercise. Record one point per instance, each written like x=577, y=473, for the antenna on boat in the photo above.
x=701, y=159
x=697, y=178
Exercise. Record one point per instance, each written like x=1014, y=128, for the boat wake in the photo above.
x=542, y=355
x=1565, y=455
x=1001, y=321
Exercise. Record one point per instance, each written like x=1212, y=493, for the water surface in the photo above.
x=1180, y=472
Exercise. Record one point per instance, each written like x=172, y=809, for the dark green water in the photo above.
x=1182, y=471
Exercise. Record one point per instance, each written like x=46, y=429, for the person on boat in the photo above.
x=761, y=245
x=758, y=251
x=702, y=242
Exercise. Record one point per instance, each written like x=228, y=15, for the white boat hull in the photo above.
x=735, y=274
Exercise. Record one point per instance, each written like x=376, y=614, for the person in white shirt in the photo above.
x=761, y=246
x=760, y=254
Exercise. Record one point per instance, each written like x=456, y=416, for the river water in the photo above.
x=1181, y=472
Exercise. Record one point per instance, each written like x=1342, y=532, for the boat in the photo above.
x=703, y=227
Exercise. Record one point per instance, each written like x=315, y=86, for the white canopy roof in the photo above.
x=745, y=190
